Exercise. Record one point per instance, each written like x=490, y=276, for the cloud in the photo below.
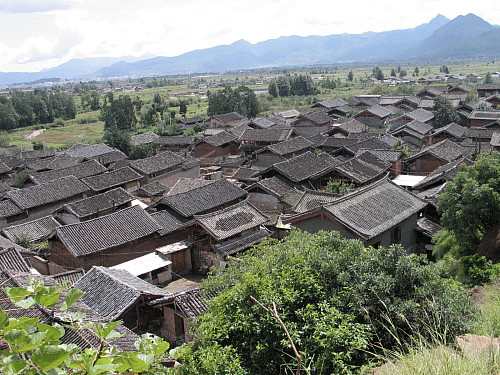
x=33, y=6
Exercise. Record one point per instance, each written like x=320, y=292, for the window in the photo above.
x=396, y=235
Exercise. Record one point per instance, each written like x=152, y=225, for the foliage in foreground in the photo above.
x=488, y=319
x=338, y=301
x=34, y=346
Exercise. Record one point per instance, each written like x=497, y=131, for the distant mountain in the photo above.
x=463, y=37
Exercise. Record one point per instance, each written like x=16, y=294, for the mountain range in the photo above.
x=464, y=37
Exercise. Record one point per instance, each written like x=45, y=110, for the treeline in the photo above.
x=242, y=100
x=292, y=85
x=38, y=107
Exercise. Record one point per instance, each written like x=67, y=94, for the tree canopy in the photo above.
x=242, y=100
x=337, y=299
x=444, y=113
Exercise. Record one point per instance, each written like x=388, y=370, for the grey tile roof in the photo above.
x=32, y=231
x=363, y=168
x=154, y=188
x=336, y=143
x=177, y=140
x=111, y=292
x=111, y=157
x=290, y=146
x=164, y=161
x=352, y=126
x=452, y=129
x=318, y=117
x=443, y=173
x=445, y=150
x=384, y=155
x=306, y=166
x=100, y=202
x=376, y=208
x=220, y=139
x=4, y=168
x=262, y=122
x=477, y=133
x=68, y=278
x=419, y=127
x=107, y=232
x=271, y=135
x=5, y=243
x=390, y=140
x=311, y=199
x=168, y=221
x=421, y=115
x=275, y=185
x=431, y=195
x=185, y=184
x=143, y=139
x=9, y=208
x=372, y=143
x=329, y=104
x=204, y=198
x=88, y=151
x=11, y=259
x=231, y=221
x=428, y=227
x=112, y=179
x=245, y=174
x=56, y=162
x=228, y=118
x=37, y=154
x=50, y=192
x=82, y=170
x=379, y=111
x=235, y=245
x=482, y=115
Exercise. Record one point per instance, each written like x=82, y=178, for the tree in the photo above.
x=470, y=203
x=116, y=137
x=402, y=73
x=378, y=74
x=273, y=89
x=444, y=113
x=338, y=186
x=444, y=69
x=416, y=72
x=183, y=108
x=242, y=100
x=284, y=88
x=34, y=346
x=350, y=76
x=393, y=72
x=336, y=299
x=488, y=79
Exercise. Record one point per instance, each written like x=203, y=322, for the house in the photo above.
x=434, y=156
x=152, y=190
x=219, y=145
x=374, y=116
x=101, y=152
x=333, y=144
x=261, y=123
x=55, y=162
x=311, y=123
x=267, y=156
x=432, y=92
x=352, y=126
x=166, y=167
x=362, y=169
x=11, y=259
x=414, y=132
x=392, y=157
x=495, y=141
x=155, y=268
x=421, y=115
x=452, y=131
x=254, y=139
x=226, y=120
x=308, y=168
x=442, y=174
x=82, y=170
x=309, y=199
x=94, y=206
x=125, y=177
x=143, y=139
x=32, y=231
x=41, y=200
x=379, y=214
x=486, y=90
x=106, y=240
x=200, y=197
x=224, y=233
x=115, y=294
x=481, y=118
x=494, y=101
x=177, y=143
x=330, y=104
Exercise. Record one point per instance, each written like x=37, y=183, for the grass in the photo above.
x=488, y=321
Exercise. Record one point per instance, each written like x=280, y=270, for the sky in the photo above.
x=38, y=34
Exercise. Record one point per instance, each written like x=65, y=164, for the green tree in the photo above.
x=183, y=108
x=444, y=69
x=338, y=186
x=273, y=89
x=350, y=76
x=337, y=300
x=444, y=113
x=416, y=72
x=488, y=79
x=393, y=72
x=378, y=74
x=118, y=138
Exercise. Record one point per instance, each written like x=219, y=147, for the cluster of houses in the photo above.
x=138, y=236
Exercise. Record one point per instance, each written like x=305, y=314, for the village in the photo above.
x=139, y=236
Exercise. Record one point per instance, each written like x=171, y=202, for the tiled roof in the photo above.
x=9, y=208
x=86, y=169
x=164, y=161
x=390, y=140
x=111, y=292
x=228, y=118
x=445, y=150
x=56, y=162
x=419, y=127
x=476, y=133
x=421, y=115
x=336, y=143
x=305, y=166
x=112, y=179
x=376, y=208
x=143, y=139
x=363, y=168
x=177, y=140
x=220, y=139
x=379, y=111
x=111, y=157
x=245, y=174
x=262, y=122
x=274, y=185
x=100, y=202
x=88, y=151
x=271, y=135
x=482, y=115
x=290, y=146
x=185, y=184
x=106, y=232
x=204, y=198
x=4, y=168
x=310, y=131
x=168, y=221
x=37, y=154
x=11, y=259
x=431, y=195
x=311, y=199
x=384, y=155
x=443, y=173
x=237, y=244
x=32, y=231
x=352, y=126
x=318, y=117
x=68, y=278
x=495, y=139
x=453, y=129
x=154, y=188
x=51, y=192
x=428, y=227
x=231, y=221
x=369, y=144
x=329, y=104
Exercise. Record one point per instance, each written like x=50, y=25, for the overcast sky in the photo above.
x=36, y=34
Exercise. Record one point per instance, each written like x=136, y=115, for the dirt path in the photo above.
x=34, y=134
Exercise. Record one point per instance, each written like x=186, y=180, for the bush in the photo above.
x=488, y=320
x=337, y=298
